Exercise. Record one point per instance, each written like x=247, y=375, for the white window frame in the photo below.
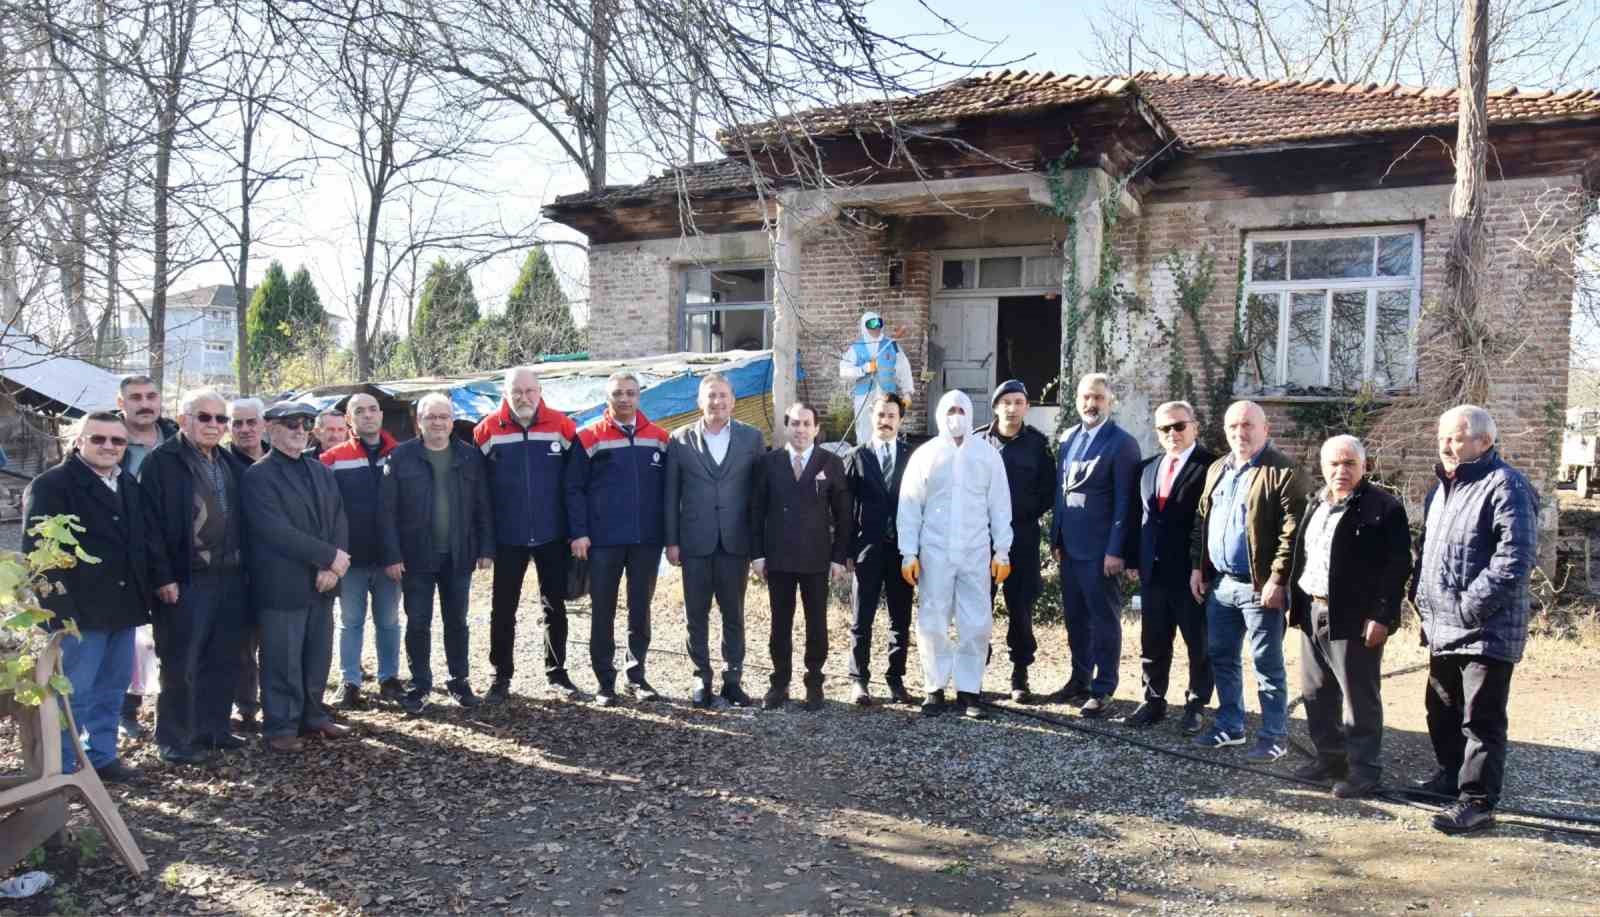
x=215, y=347
x=1372, y=285
x=686, y=308
x=976, y=255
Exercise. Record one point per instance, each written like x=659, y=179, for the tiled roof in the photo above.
x=1210, y=112
x=220, y=295
x=697, y=180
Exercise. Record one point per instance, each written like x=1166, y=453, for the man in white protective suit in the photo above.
x=954, y=507
x=875, y=363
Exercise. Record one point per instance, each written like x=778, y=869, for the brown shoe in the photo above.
x=285, y=744
x=328, y=730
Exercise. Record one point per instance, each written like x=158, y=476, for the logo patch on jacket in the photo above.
x=655, y=458
x=555, y=447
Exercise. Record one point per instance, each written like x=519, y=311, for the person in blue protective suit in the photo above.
x=873, y=365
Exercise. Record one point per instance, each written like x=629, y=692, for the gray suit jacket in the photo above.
x=708, y=505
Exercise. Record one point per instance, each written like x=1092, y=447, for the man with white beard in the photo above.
x=955, y=506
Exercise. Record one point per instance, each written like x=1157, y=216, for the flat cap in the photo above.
x=1006, y=388
x=283, y=410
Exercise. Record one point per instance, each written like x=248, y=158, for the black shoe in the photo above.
x=1465, y=816
x=1148, y=713
x=933, y=704
x=499, y=692
x=700, y=697
x=859, y=695
x=605, y=697
x=1021, y=695
x=970, y=704
x=228, y=742
x=392, y=690
x=899, y=694
x=733, y=694
x=1194, y=720
x=1096, y=706
x=813, y=701
x=775, y=698
x=414, y=701
x=462, y=692
x=175, y=755
x=350, y=698
x=1069, y=692
x=1438, y=789
x=561, y=684
x=118, y=772
x=642, y=692
x=1356, y=787
x=131, y=730
x=1319, y=771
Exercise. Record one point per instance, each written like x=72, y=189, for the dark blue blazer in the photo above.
x=1161, y=550
x=876, y=501
x=1095, y=497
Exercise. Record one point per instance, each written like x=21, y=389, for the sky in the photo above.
x=313, y=220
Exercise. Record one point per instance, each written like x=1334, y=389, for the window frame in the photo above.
x=1330, y=287
x=977, y=256
x=687, y=309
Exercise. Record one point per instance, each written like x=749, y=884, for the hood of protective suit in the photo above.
x=958, y=425
x=870, y=337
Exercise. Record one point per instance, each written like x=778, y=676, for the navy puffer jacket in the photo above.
x=1479, y=546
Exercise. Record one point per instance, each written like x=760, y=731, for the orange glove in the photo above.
x=911, y=571
x=872, y=367
x=999, y=570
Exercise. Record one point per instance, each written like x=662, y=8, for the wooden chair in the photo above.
x=36, y=802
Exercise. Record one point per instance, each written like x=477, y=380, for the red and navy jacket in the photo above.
x=616, y=483
x=526, y=468
x=359, y=476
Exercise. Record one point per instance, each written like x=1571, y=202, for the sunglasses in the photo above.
x=295, y=423
x=203, y=417
x=1178, y=427
x=100, y=439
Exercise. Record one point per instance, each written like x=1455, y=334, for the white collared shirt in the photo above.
x=805, y=457
x=109, y=480
x=880, y=445
x=1163, y=473
x=717, y=443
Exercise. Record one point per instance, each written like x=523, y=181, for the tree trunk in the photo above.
x=602, y=12
x=166, y=138
x=1468, y=380
x=241, y=304
x=364, y=298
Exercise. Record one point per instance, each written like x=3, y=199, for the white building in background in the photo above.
x=202, y=338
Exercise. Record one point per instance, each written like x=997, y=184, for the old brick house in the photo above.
x=1016, y=211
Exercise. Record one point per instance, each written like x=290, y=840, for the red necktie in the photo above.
x=1166, y=484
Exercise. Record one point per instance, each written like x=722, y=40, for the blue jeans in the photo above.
x=354, y=587
x=1234, y=612
x=99, y=664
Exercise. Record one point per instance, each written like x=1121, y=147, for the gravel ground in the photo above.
x=554, y=807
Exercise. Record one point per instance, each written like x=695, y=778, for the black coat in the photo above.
x=1160, y=547
x=405, y=510
x=293, y=531
x=800, y=526
x=875, y=502
x=118, y=591
x=1368, y=564
x=168, y=486
x=1031, y=476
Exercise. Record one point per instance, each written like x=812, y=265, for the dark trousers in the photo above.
x=198, y=641
x=246, y=694
x=1021, y=590
x=780, y=644
x=510, y=570
x=1344, y=706
x=877, y=574
x=1165, y=611
x=1467, y=721
x=1092, y=604
x=607, y=564
x=723, y=576
x=296, y=655
x=417, y=590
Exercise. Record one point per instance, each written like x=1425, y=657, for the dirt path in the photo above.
x=552, y=807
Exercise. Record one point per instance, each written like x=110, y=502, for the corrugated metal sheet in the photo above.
x=59, y=384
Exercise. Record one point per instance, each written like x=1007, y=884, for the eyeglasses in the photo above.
x=873, y=324
x=295, y=423
x=203, y=417
x=246, y=421
x=100, y=439
x=1178, y=427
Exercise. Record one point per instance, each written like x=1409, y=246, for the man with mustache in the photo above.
x=139, y=404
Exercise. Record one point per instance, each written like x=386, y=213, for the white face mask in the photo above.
x=955, y=424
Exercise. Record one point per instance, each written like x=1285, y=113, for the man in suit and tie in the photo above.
x=1169, y=492
x=874, y=471
x=1095, y=486
x=709, y=467
x=801, y=525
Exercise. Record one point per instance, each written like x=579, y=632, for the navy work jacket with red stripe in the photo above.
x=526, y=470
x=616, y=483
x=360, y=477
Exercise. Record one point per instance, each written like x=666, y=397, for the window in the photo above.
x=1004, y=270
x=214, y=347
x=1332, y=309
x=219, y=315
x=726, y=308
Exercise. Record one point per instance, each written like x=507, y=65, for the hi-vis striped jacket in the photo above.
x=616, y=484
x=359, y=479
x=526, y=469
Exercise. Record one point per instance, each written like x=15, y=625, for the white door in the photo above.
x=962, y=354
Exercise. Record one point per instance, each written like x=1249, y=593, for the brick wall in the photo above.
x=632, y=302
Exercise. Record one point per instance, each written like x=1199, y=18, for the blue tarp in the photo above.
x=677, y=394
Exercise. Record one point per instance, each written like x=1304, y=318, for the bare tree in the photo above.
x=1465, y=259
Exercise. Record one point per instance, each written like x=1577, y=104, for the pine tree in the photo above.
x=538, y=312
x=447, y=310
x=305, y=304
x=268, y=321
